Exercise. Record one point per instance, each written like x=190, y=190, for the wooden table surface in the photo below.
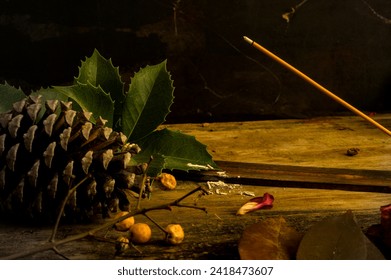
x=303, y=163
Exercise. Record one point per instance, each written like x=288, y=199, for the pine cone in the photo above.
x=48, y=149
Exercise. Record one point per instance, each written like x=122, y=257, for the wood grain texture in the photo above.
x=312, y=150
x=318, y=142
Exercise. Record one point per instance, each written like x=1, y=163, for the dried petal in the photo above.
x=64, y=137
x=266, y=202
x=14, y=125
x=48, y=154
x=11, y=156
x=86, y=161
x=49, y=123
x=385, y=217
x=28, y=137
x=32, y=174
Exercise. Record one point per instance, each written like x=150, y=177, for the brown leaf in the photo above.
x=337, y=238
x=271, y=239
x=256, y=203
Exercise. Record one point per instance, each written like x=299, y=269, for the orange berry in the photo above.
x=140, y=233
x=126, y=224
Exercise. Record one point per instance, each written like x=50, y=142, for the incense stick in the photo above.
x=318, y=86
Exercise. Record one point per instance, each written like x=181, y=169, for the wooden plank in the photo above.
x=317, y=142
x=295, y=176
x=212, y=235
x=290, y=159
x=299, y=153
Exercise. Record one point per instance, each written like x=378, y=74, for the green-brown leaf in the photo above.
x=337, y=238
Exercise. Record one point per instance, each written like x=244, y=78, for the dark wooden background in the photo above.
x=344, y=45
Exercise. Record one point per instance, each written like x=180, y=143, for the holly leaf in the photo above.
x=337, y=238
x=91, y=99
x=180, y=151
x=147, y=102
x=49, y=94
x=8, y=96
x=99, y=71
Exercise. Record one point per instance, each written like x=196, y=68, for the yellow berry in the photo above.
x=175, y=234
x=140, y=233
x=168, y=181
x=126, y=224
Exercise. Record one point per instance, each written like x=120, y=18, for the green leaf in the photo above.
x=99, y=71
x=337, y=238
x=180, y=151
x=91, y=99
x=49, y=94
x=8, y=96
x=148, y=101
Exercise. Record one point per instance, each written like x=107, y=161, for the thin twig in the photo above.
x=156, y=223
x=52, y=245
x=71, y=191
x=60, y=254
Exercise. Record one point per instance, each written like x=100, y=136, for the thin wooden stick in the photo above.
x=315, y=84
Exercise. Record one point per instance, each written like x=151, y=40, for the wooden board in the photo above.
x=318, y=142
x=212, y=235
x=301, y=162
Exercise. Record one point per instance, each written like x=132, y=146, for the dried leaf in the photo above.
x=337, y=238
x=271, y=239
x=256, y=203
